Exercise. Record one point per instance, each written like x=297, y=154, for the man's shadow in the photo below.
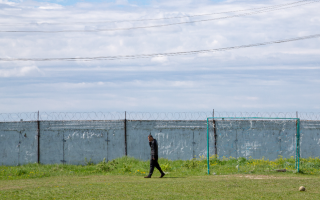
x=173, y=177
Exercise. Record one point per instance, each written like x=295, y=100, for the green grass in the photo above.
x=133, y=167
x=185, y=187
x=123, y=178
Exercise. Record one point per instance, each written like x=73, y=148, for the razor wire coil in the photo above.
x=82, y=116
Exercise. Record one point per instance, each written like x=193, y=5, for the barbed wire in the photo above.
x=257, y=114
x=309, y=116
x=301, y=115
x=64, y=116
x=14, y=117
x=205, y=115
x=168, y=115
x=87, y=116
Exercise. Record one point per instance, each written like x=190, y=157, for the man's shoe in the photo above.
x=162, y=175
x=147, y=176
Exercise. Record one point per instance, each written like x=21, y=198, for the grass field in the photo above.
x=187, y=187
x=123, y=179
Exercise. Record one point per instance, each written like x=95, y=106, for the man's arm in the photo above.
x=155, y=147
x=152, y=145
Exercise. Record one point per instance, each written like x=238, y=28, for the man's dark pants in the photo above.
x=154, y=163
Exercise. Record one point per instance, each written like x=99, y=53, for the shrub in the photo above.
x=190, y=164
x=104, y=166
x=126, y=168
x=20, y=172
x=88, y=163
x=241, y=160
x=165, y=167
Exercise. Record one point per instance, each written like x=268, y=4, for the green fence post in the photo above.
x=295, y=162
x=208, y=163
x=298, y=145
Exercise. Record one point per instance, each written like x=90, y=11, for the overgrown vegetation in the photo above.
x=135, y=167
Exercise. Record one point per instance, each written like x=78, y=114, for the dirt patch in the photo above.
x=268, y=177
x=12, y=187
x=260, y=177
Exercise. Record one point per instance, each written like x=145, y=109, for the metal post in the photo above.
x=297, y=141
x=298, y=145
x=215, y=136
x=38, y=122
x=125, y=133
x=208, y=163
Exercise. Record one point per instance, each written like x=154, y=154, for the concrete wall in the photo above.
x=177, y=139
x=310, y=139
x=256, y=139
x=18, y=143
x=72, y=141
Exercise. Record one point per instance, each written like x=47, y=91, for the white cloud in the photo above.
x=6, y=2
x=267, y=77
x=159, y=59
x=51, y=7
x=20, y=71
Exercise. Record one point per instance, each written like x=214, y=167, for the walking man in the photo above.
x=154, y=157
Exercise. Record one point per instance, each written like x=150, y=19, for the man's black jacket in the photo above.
x=154, y=148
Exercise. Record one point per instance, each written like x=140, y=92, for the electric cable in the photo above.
x=161, y=54
x=165, y=18
x=156, y=26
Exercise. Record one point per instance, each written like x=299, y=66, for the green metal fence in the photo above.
x=297, y=156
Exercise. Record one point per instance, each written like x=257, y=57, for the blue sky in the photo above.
x=273, y=78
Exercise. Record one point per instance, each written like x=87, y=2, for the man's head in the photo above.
x=150, y=138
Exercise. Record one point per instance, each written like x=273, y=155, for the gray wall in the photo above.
x=177, y=139
x=18, y=143
x=256, y=139
x=72, y=141
x=310, y=139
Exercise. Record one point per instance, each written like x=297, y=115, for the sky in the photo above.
x=274, y=78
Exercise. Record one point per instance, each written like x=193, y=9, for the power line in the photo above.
x=161, y=54
x=162, y=25
x=179, y=17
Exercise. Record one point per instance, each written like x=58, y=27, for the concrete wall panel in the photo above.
x=51, y=143
x=256, y=139
x=28, y=151
x=137, y=133
x=71, y=142
x=9, y=144
x=116, y=143
x=81, y=144
x=310, y=139
x=18, y=143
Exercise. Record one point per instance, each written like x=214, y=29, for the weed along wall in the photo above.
x=70, y=142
